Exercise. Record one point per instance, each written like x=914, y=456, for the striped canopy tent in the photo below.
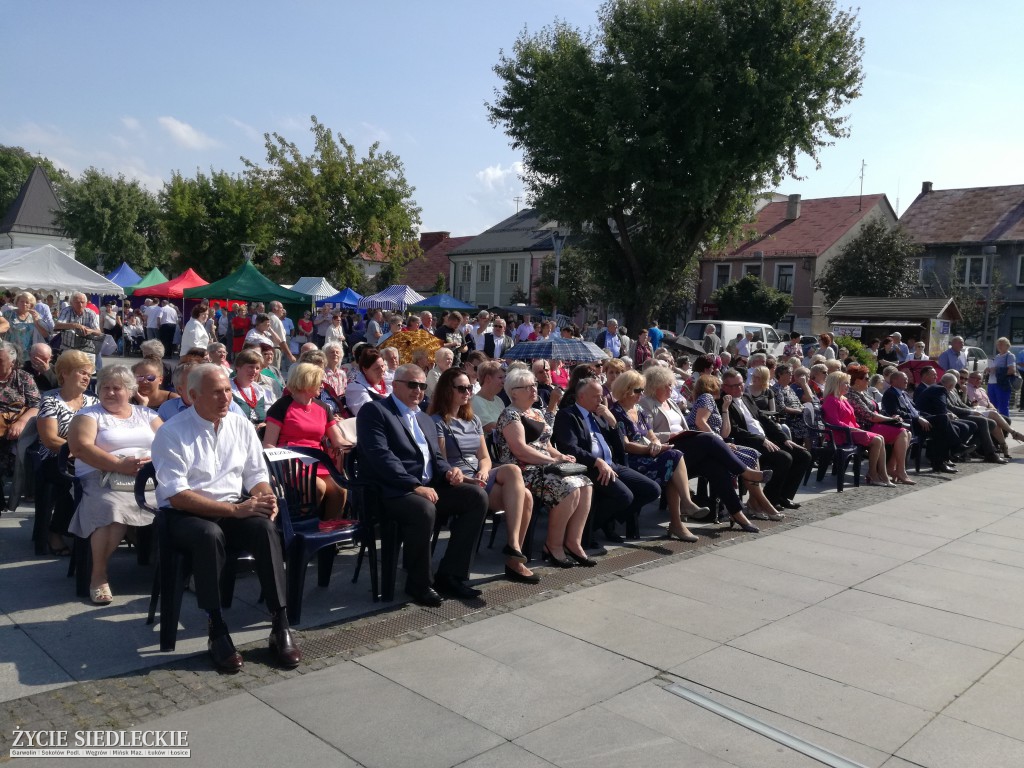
x=394, y=298
x=317, y=287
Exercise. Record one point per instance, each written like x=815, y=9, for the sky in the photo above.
x=144, y=89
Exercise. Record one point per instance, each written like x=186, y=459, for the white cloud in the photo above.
x=184, y=135
x=375, y=133
x=250, y=133
x=495, y=177
x=131, y=123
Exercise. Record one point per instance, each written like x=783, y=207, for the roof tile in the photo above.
x=974, y=215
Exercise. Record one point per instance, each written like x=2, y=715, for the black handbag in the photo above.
x=565, y=469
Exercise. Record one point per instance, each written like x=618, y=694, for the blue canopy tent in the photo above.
x=124, y=275
x=346, y=299
x=441, y=301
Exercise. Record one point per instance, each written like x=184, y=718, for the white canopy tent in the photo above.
x=317, y=287
x=45, y=268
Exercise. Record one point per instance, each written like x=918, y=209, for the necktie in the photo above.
x=421, y=443
x=598, y=438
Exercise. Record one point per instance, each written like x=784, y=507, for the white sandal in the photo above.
x=102, y=595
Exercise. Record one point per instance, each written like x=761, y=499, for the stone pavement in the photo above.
x=885, y=625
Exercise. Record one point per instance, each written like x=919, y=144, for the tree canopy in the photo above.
x=332, y=206
x=879, y=261
x=114, y=217
x=654, y=132
x=575, y=283
x=751, y=299
x=207, y=218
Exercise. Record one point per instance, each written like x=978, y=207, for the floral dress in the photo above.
x=550, y=489
x=785, y=398
x=658, y=468
x=748, y=456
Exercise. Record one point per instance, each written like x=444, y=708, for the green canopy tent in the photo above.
x=247, y=284
x=154, y=277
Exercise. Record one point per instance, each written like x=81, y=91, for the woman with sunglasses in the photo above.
x=149, y=373
x=647, y=455
x=461, y=437
x=523, y=437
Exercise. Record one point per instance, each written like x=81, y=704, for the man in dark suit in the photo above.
x=949, y=435
x=985, y=426
x=787, y=460
x=619, y=492
x=497, y=343
x=399, y=452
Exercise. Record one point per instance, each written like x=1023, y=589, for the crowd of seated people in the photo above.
x=455, y=430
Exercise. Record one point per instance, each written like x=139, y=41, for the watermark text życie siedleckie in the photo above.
x=93, y=743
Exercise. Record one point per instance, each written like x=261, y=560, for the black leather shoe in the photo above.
x=521, y=578
x=513, y=554
x=787, y=504
x=284, y=648
x=944, y=469
x=453, y=587
x=596, y=548
x=222, y=651
x=994, y=459
x=585, y=561
x=428, y=598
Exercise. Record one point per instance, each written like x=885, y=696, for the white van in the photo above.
x=766, y=338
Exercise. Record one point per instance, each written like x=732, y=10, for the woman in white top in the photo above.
x=195, y=335
x=112, y=437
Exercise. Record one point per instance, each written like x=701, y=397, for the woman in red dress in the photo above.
x=838, y=411
x=299, y=418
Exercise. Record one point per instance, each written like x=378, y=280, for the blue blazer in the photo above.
x=388, y=454
x=572, y=437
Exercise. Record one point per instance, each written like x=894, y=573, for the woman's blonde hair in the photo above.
x=26, y=295
x=305, y=377
x=707, y=384
x=625, y=382
x=71, y=360
x=761, y=372
x=657, y=377
x=833, y=381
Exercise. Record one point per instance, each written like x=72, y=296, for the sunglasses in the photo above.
x=463, y=388
x=421, y=385
x=638, y=391
x=150, y=378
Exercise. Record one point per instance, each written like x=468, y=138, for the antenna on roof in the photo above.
x=860, y=200
x=518, y=200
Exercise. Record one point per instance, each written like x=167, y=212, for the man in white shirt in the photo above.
x=168, y=326
x=206, y=458
x=151, y=309
x=524, y=330
x=481, y=328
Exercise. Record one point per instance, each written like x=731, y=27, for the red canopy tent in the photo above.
x=173, y=289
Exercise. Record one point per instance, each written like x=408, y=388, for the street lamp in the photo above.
x=557, y=241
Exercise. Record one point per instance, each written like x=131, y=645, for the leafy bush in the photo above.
x=858, y=352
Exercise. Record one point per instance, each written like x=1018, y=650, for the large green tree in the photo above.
x=879, y=261
x=207, y=218
x=575, y=283
x=655, y=131
x=331, y=206
x=114, y=218
x=16, y=166
x=751, y=299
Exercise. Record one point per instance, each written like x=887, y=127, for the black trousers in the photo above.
x=622, y=499
x=947, y=436
x=709, y=456
x=465, y=505
x=167, y=338
x=983, y=434
x=788, y=466
x=208, y=539
x=55, y=500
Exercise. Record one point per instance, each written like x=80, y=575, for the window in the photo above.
x=971, y=270
x=513, y=272
x=925, y=270
x=485, y=273
x=723, y=273
x=784, y=278
x=467, y=272
x=1020, y=270
x=752, y=269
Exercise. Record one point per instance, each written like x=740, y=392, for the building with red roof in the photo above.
x=793, y=241
x=421, y=273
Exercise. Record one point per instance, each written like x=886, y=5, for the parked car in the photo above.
x=766, y=338
x=977, y=358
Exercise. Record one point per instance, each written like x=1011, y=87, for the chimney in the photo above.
x=926, y=187
x=429, y=239
x=793, y=208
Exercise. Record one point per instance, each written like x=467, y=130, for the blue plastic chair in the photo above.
x=294, y=483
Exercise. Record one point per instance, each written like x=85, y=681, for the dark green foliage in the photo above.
x=751, y=299
x=879, y=261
